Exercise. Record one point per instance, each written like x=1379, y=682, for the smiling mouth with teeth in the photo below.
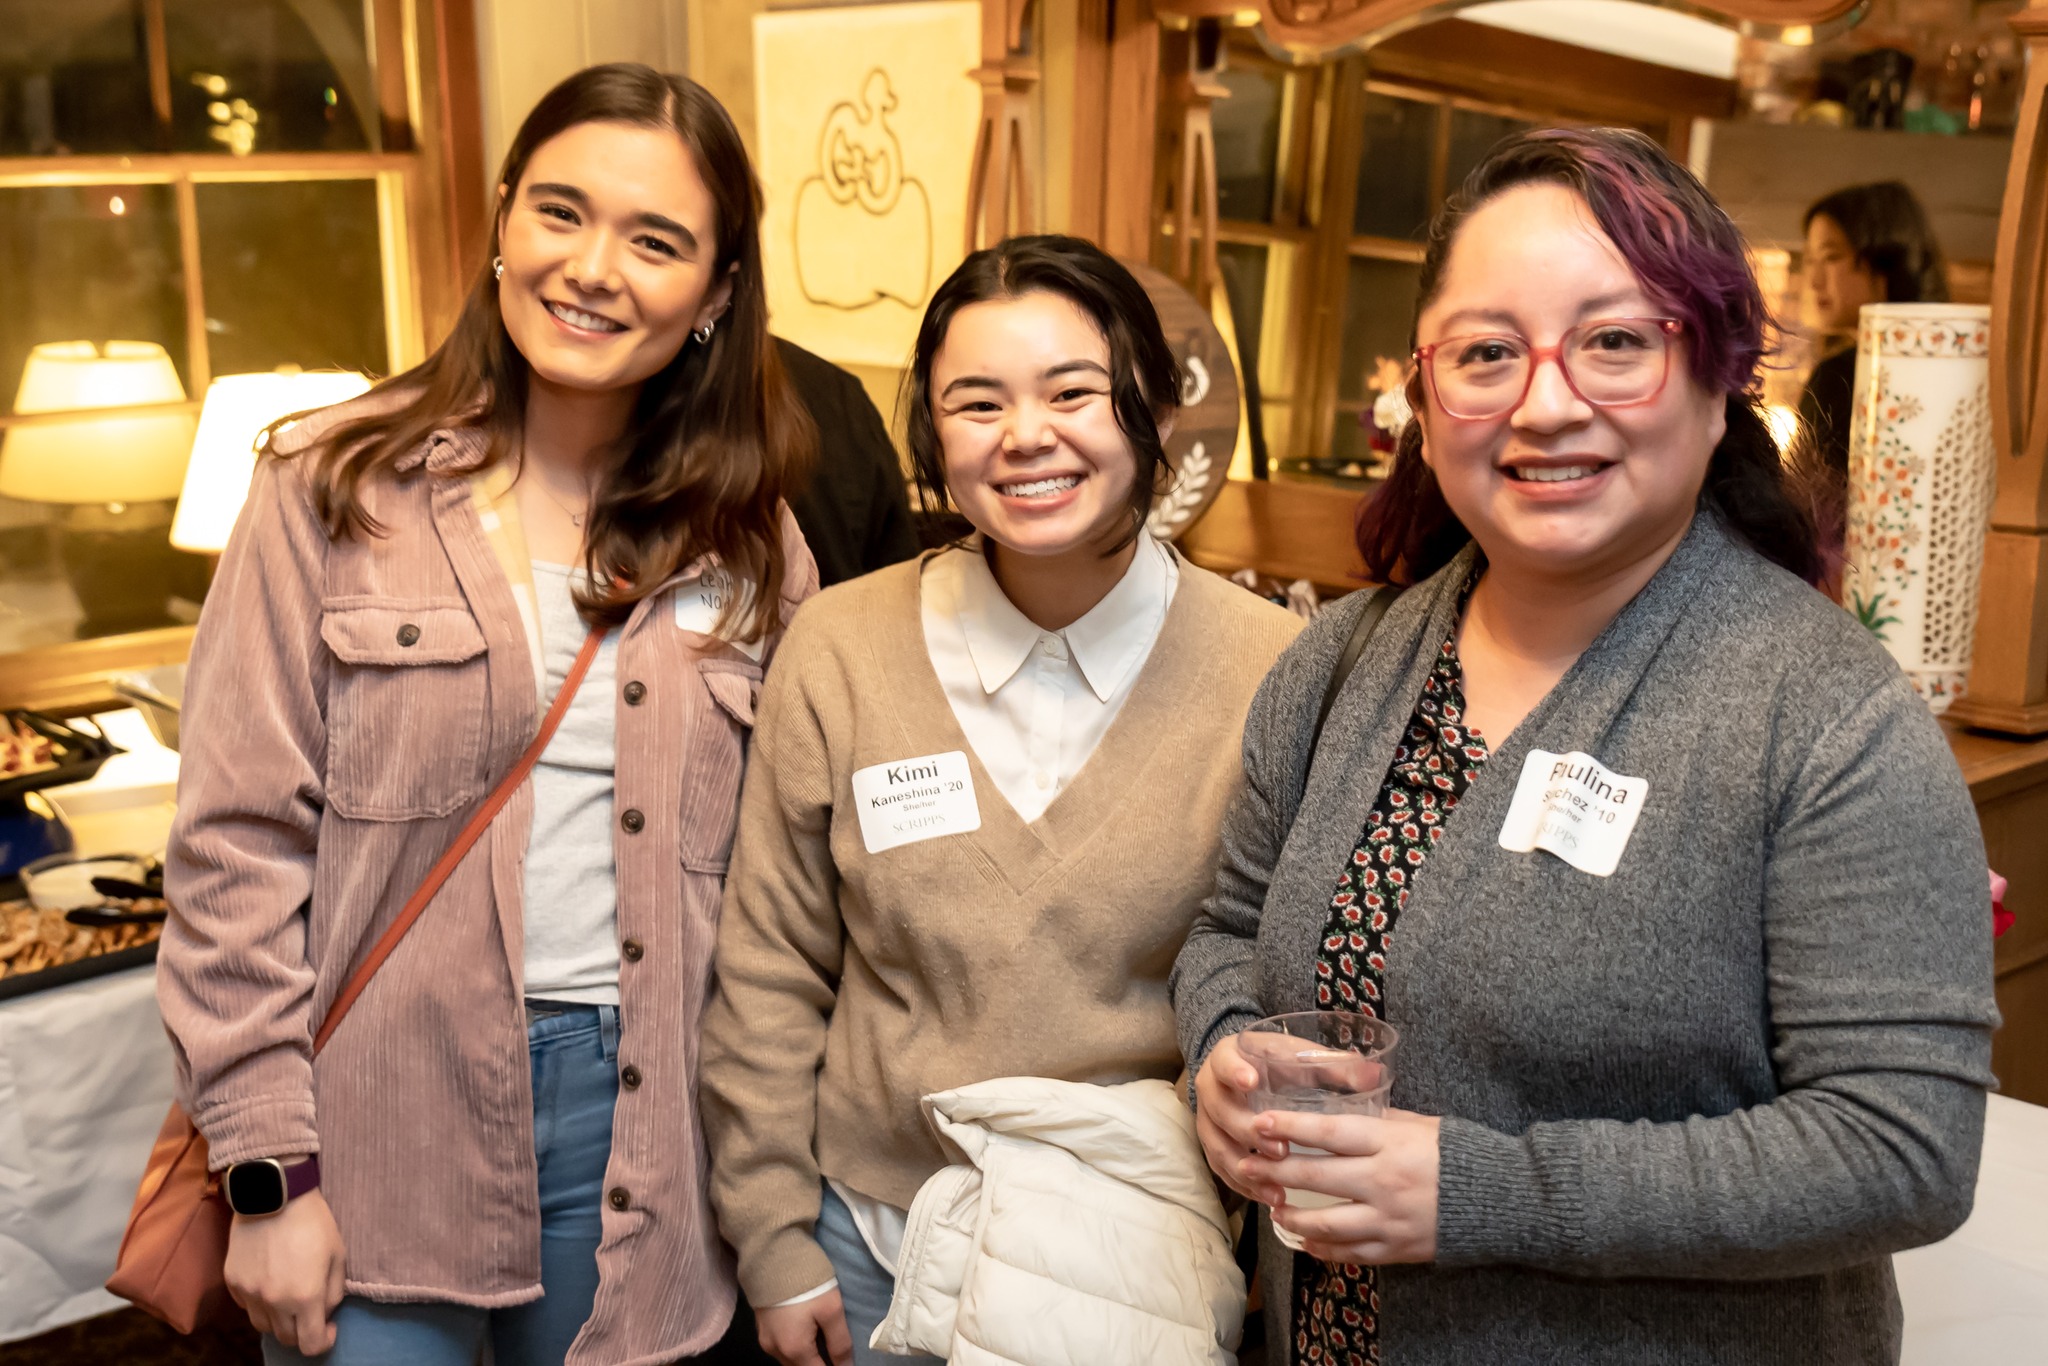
x=1040, y=488
x=1552, y=474
x=589, y=322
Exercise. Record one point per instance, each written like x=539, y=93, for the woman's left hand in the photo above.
x=1384, y=1167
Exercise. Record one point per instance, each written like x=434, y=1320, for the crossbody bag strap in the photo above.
x=471, y=832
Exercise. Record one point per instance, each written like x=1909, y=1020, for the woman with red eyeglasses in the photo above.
x=1667, y=881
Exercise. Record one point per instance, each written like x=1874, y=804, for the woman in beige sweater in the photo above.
x=984, y=797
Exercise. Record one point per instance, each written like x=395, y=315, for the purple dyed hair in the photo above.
x=1689, y=257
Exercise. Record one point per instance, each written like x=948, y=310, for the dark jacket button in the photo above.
x=629, y=1076
x=619, y=1198
x=635, y=693
x=633, y=821
x=408, y=635
x=631, y=948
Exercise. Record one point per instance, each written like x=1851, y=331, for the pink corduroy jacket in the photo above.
x=348, y=704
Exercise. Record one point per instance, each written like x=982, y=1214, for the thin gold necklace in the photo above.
x=575, y=518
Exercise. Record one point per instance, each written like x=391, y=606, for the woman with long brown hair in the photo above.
x=583, y=486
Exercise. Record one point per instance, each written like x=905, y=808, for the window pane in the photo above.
x=270, y=76
x=1248, y=143
x=1393, y=170
x=293, y=275
x=1379, y=310
x=1244, y=280
x=1472, y=137
x=73, y=79
x=91, y=263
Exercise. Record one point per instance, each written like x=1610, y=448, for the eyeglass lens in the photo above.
x=1608, y=363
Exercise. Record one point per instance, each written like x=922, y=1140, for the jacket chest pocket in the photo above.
x=405, y=710
x=718, y=760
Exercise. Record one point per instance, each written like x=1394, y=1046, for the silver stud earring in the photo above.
x=497, y=267
x=703, y=334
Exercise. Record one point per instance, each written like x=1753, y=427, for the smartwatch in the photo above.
x=266, y=1185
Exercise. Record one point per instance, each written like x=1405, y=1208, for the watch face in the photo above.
x=255, y=1188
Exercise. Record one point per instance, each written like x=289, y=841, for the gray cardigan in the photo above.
x=1688, y=1109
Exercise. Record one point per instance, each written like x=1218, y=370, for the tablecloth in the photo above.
x=85, y=1078
x=1980, y=1296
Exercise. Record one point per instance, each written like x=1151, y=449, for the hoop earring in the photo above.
x=703, y=334
x=497, y=267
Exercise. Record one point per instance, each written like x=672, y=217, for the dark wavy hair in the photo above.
x=717, y=438
x=1890, y=234
x=1145, y=379
x=1689, y=257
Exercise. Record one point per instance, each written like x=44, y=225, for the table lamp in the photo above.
x=113, y=477
x=136, y=458
x=237, y=409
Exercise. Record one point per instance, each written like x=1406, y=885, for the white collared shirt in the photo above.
x=1035, y=703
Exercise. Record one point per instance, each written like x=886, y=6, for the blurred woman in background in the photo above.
x=1867, y=244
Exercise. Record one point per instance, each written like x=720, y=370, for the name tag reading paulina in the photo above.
x=700, y=601
x=1575, y=807
x=915, y=799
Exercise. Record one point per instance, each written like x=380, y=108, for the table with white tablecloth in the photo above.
x=85, y=1078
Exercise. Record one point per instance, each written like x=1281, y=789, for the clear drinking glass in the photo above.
x=1324, y=1062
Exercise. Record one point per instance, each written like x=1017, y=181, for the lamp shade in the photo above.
x=135, y=458
x=237, y=409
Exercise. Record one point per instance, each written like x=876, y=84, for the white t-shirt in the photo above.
x=571, y=913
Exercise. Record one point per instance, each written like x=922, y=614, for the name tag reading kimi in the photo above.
x=1575, y=807
x=700, y=602
x=915, y=799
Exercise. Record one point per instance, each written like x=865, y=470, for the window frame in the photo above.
x=1308, y=239
x=429, y=235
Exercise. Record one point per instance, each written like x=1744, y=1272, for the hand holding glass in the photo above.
x=1326, y=1062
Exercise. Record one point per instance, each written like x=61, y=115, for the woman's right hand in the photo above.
x=790, y=1332
x=285, y=1270
x=1224, y=1117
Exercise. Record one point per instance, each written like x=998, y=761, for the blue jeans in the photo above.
x=865, y=1286
x=575, y=1058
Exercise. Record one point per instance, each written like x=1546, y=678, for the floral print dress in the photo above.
x=1337, y=1305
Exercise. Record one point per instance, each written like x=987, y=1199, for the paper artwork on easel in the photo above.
x=866, y=119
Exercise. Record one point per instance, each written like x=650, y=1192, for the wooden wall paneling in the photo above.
x=2008, y=687
x=1522, y=69
x=2014, y=814
x=1131, y=132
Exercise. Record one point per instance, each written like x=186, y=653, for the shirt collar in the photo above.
x=1119, y=631
x=1106, y=642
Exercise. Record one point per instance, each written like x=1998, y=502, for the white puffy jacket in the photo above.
x=1080, y=1228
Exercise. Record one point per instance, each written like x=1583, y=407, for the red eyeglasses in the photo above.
x=1609, y=362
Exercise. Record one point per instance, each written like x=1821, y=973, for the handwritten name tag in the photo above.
x=1575, y=807
x=915, y=799
x=701, y=601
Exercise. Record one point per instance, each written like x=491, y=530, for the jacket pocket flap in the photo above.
x=397, y=635
x=734, y=687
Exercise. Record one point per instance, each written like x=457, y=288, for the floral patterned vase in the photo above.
x=1921, y=477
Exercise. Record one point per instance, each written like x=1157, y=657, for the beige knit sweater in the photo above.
x=851, y=984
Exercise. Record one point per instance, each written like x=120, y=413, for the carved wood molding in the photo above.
x=1316, y=26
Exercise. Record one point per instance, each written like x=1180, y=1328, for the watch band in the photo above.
x=300, y=1177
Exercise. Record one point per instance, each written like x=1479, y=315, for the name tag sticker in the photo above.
x=700, y=601
x=1575, y=807
x=915, y=799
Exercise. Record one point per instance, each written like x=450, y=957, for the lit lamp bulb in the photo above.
x=238, y=408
